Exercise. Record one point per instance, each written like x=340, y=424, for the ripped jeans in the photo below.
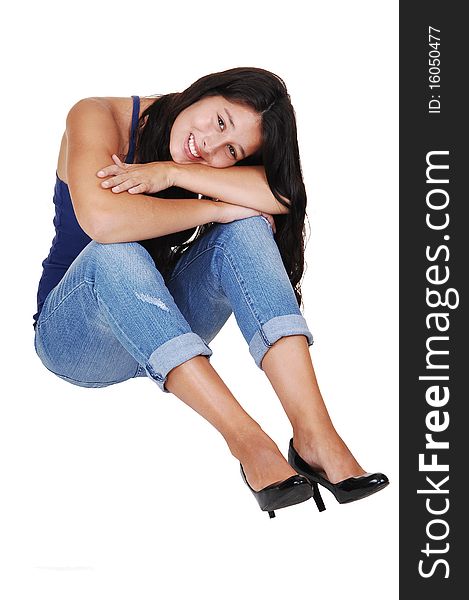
x=112, y=317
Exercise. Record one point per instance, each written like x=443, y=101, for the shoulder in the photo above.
x=116, y=109
x=96, y=120
x=91, y=108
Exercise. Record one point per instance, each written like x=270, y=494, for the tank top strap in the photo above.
x=133, y=131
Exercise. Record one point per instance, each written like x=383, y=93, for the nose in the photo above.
x=211, y=143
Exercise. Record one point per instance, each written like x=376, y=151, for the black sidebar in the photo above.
x=434, y=268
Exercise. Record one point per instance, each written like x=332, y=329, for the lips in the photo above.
x=187, y=151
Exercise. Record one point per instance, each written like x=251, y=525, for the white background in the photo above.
x=125, y=492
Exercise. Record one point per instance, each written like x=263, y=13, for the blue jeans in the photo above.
x=112, y=317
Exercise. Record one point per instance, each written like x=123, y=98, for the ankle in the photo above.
x=262, y=461
x=328, y=454
x=243, y=442
x=314, y=438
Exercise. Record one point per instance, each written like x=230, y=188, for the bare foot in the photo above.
x=262, y=461
x=330, y=457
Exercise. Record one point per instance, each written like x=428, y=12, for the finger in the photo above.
x=117, y=180
x=138, y=189
x=124, y=185
x=118, y=161
x=121, y=187
x=109, y=170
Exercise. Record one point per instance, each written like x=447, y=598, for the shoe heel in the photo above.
x=317, y=497
x=271, y=514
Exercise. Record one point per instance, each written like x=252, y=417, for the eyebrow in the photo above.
x=233, y=125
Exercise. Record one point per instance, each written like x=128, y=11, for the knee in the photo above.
x=249, y=231
x=121, y=254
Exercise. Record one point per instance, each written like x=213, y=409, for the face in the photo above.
x=215, y=132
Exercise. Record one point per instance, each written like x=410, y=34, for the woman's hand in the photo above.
x=234, y=212
x=148, y=178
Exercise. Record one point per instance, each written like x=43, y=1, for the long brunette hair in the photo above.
x=267, y=94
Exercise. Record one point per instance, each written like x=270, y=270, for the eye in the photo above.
x=221, y=123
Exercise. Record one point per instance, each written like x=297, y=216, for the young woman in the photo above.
x=172, y=213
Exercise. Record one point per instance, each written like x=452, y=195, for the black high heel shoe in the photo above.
x=285, y=493
x=348, y=490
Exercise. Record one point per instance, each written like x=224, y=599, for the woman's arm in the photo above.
x=92, y=137
x=244, y=186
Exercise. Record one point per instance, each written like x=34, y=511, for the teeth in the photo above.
x=192, y=146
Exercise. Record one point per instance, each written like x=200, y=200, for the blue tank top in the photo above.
x=70, y=239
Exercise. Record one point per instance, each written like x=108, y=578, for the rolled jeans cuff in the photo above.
x=173, y=353
x=273, y=330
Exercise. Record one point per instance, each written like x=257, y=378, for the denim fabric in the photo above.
x=112, y=318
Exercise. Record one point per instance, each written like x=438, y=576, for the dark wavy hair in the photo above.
x=267, y=94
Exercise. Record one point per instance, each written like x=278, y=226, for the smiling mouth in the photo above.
x=192, y=146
